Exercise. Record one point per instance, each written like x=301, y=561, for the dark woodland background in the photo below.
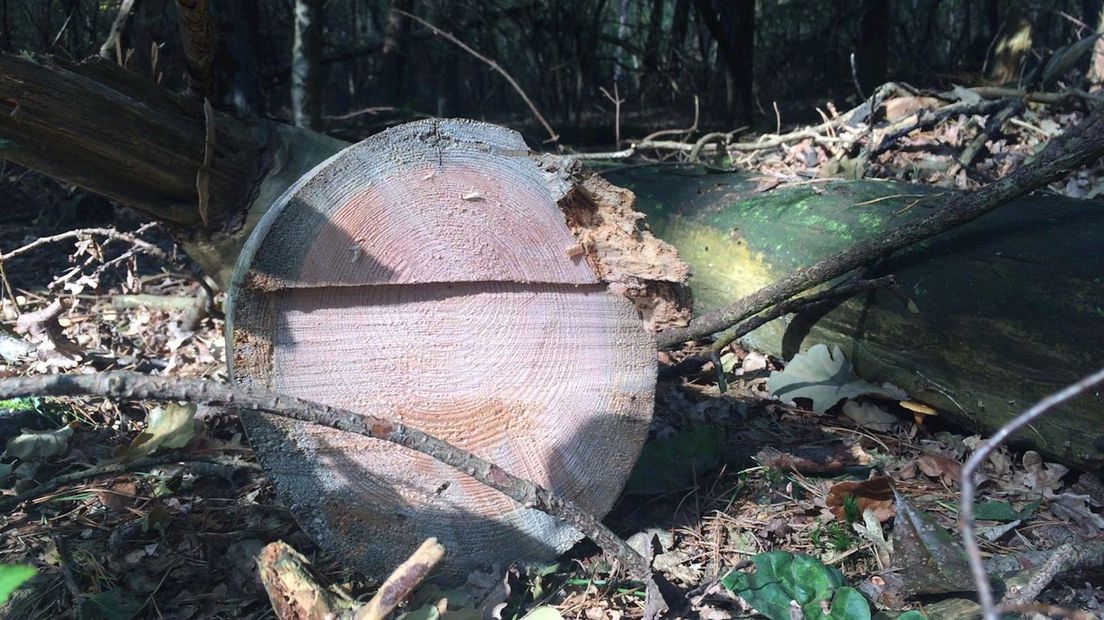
x=739, y=57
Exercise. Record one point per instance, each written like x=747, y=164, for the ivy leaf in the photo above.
x=930, y=559
x=11, y=577
x=821, y=376
x=781, y=577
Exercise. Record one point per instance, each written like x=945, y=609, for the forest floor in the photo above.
x=725, y=477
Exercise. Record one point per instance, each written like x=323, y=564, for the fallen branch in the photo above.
x=926, y=119
x=966, y=503
x=296, y=594
x=123, y=385
x=1079, y=146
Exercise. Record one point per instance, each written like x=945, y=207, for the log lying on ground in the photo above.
x=429, y=273
x=1009, y=306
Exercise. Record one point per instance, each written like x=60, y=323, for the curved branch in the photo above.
x=124, y=385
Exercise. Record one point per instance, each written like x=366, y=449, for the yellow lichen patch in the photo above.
x=724, y=265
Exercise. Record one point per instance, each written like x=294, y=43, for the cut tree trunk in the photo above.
x=428, y=275
x=1008, y=307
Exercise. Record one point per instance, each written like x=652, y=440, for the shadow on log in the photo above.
x=1008, y=308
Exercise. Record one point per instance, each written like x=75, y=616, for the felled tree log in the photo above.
x=1007, y=308
x=429, y=273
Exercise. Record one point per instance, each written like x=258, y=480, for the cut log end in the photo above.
x=422, y=275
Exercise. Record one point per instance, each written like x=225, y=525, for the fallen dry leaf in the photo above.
x=875, y=494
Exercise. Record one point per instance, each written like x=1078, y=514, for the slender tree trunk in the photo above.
x=238, y=71
x=114, y=40
x=680, y=21
x=652, y=51
x=305, y=93
x=394, y=52
x=872, y=48
x=5, y=25
x=733, y=28
x=1096, y=65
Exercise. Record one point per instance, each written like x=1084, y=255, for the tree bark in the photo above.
x=872, y=55
x=394, y=51
x=306, y=111
x=113, y=132
x=996, y=319
x=733, y=28
x=198, y=37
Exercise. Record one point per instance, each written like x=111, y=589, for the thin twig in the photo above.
x=553, y=136
x=798, y=304
x=966, y=504
x=110, y=233
x=124, y=385
x=1080, y=145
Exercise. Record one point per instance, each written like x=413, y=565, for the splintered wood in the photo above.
x=424, y=275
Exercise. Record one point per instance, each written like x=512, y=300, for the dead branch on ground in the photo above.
x=123, y=385
x=1080, y=145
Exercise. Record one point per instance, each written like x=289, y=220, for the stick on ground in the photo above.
x=123, y=385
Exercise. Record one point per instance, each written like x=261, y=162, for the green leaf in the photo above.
x=675, y=462
x=1002, y=511
x=930, y=559
x=821, y=376
x=11, y=577
x=912, y=614
x=849, y=604
x=781, y=577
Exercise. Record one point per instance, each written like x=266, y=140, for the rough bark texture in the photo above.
x=305, y=105
x=1008, y=304
x=428, y=273
x=198, y=37
x=113, y=132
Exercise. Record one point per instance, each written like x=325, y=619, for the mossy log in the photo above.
x=1005, y=309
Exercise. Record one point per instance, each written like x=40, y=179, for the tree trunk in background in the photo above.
x=1010, y=48
x=1096, y=65
x=680, y=22
x=871, y=57
x=652, y=52
x=394, y=53
x=305, y=95
x=733, y=28
x=198, y=36
x=237, y=70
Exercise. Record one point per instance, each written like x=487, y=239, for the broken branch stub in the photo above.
x=429, y=273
